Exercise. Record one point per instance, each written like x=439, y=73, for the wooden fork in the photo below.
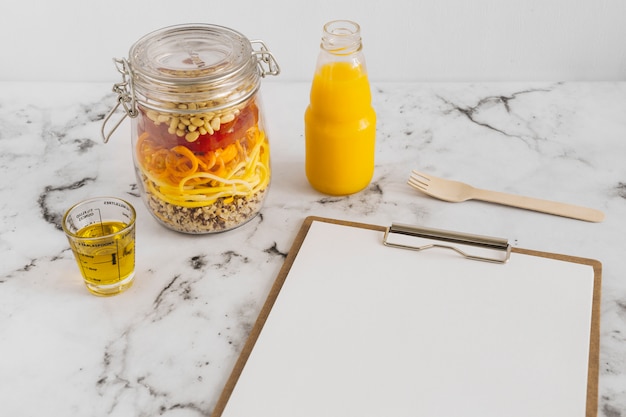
x=455, y=191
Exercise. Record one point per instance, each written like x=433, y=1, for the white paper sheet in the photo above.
x=360, y=329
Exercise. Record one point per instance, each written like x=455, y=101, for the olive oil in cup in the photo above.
x=101, y=233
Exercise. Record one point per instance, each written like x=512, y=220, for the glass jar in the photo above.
x=200, y=148
x=340, y=122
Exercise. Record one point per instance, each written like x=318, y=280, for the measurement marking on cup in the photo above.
x=98, y=239
x=117, y=250
x=101, y=223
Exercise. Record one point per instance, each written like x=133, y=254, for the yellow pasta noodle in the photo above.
x=181, y=177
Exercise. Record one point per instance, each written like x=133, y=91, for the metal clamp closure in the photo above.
x=452, y=239
x=266, y=62
x=125, y=97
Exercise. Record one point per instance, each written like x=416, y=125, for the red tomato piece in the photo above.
x=158, y=134
x=228, y=133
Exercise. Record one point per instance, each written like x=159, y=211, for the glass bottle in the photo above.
x=340, y=122
x=200, y=148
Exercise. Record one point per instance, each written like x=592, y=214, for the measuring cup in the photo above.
x=101, y=232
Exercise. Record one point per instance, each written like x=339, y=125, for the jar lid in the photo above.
x=193, y=62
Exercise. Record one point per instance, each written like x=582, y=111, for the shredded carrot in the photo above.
x=181, y=177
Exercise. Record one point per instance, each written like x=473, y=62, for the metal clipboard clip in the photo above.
x=498, y=249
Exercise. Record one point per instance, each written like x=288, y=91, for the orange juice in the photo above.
x=340, y=130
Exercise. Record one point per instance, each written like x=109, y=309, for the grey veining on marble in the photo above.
x=167, y=346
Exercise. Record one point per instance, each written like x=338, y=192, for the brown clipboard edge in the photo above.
x=594, y=346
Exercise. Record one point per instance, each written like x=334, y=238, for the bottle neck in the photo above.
x=341, y=37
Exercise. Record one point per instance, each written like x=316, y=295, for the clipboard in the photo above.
x=356, y=325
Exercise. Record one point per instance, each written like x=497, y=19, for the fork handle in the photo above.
x=536, y=204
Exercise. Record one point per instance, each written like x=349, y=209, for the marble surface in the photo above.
x=166, y=346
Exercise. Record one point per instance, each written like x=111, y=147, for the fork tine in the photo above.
x=415, y=174
x=416, y=184
x=418, y=180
